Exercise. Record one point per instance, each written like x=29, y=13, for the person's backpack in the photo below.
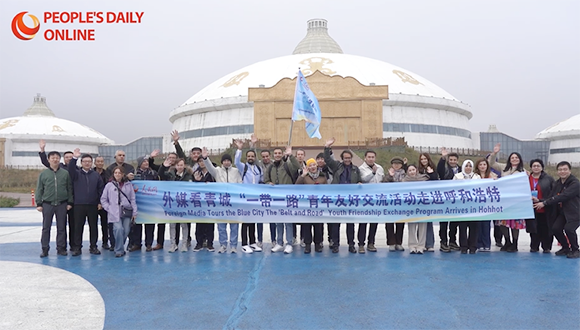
x=246, y=170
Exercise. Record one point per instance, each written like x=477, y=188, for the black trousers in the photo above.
x=104, y=225
x=362, y=231
x=395, y=233
x=136, y=234
x=335, y=234
x=160, y=233
x=307, y=228
x=562, y=225
x=468, y=241
x=248, y=231
x=81, y=214
x=204, y=231
x=497, y=235
x=452, y=231
x=543, y=235
x=70, y=218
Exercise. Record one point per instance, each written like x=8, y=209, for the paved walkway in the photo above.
x=203, y=290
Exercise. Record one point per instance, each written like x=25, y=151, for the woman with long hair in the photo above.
x=118, y=199
x=427, y=166
x=483, y=169
x=515, y=164
x=541, y=186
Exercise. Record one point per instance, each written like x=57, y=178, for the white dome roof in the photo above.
x=39, y=122
x=365, y=70
x=568, y=128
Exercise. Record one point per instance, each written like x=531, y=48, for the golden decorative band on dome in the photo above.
x=236, y=80
x=316, y=63
x=406, y=78
x=8, y=123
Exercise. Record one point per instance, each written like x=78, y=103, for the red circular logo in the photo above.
x=20, y=30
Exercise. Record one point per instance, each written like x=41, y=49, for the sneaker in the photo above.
x=294, y=241
x=255, y=247
x=184, y=247
x=288, y=249
x=307, y=248
x=302, y=244
x=259, y=244
x=188, y=245
x=463, y=251
x=547, y=251
x=197, y=248
x=429, y=249
x=413, y=251
x=534, y=250
x=392, y=248
x=472, y=251
x=134, y=248
x=222, y=249
x=94, y=251
x=247, y=249
x=498, y=244
x=563, y=252
x=399, y=247
x=361, y=249
x=485, y=249
x=371, y=248
x=75, y=253
x=351, y=249
x=158, y=247
x=112, y=248
x=105, y=246
x=173, y=248
x=444, y=247
x=453, y=246
x=274, y=244
x=44, y=253
x=119, y=255
x=204, y=244
x=335, y=249
x=574, y=254
x=330, y=243
x=419, y=252
x=318, y=247
x=148, y=248
x=234, y=249
x=277, y=248
x=210, y=248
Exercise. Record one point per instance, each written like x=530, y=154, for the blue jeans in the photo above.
x=223, y=234
x=121, y=231
x=280, y=233
x=483, y=238
x=430, y=242
x=261, y=232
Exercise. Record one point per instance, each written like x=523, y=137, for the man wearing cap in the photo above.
x=227, y=174
x=251, y=174
x=345, y=172
x=370, y=172
x=395, y=231
x=144, y=172
x=88, y=187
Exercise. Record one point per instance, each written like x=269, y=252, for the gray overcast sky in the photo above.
x=517, y=63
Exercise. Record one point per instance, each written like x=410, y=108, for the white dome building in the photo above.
x=564, y=140
x=417, y=109
x=22, y=134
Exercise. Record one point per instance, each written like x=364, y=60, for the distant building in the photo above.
x=133, y=150
x=564, y=139
x=529, y=150
x=19, y=136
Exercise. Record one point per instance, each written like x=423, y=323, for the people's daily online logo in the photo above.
x=19, y=28
x=63, y=21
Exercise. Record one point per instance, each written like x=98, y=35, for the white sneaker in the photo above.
x=223, y=249
x=183, y=247
x=259, y=244
x=173, y=248
x=277, y=248
x=294, y=241
x=288, y=249
x=302, y=244
x=392, y=248
x=247, y=249
x=256, y=247
x=429, y=249
x=399, y=247
x=234, y=249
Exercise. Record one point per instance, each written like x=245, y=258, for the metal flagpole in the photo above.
x=290, y=135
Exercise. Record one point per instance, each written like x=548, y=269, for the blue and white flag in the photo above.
x=306, y=107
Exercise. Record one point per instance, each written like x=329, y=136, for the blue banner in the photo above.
x=461, y=200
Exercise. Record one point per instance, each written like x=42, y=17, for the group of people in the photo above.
x=76, y=194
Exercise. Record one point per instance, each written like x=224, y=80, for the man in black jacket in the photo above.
x=565, y=197
x=100, y=169
x=87, y=187
x=447, y=168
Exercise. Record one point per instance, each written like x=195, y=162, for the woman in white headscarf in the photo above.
x=467, y=243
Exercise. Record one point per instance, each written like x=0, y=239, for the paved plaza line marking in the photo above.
x=16, y=232
x=241, y=305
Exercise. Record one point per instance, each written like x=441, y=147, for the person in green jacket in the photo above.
x=54, y=196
